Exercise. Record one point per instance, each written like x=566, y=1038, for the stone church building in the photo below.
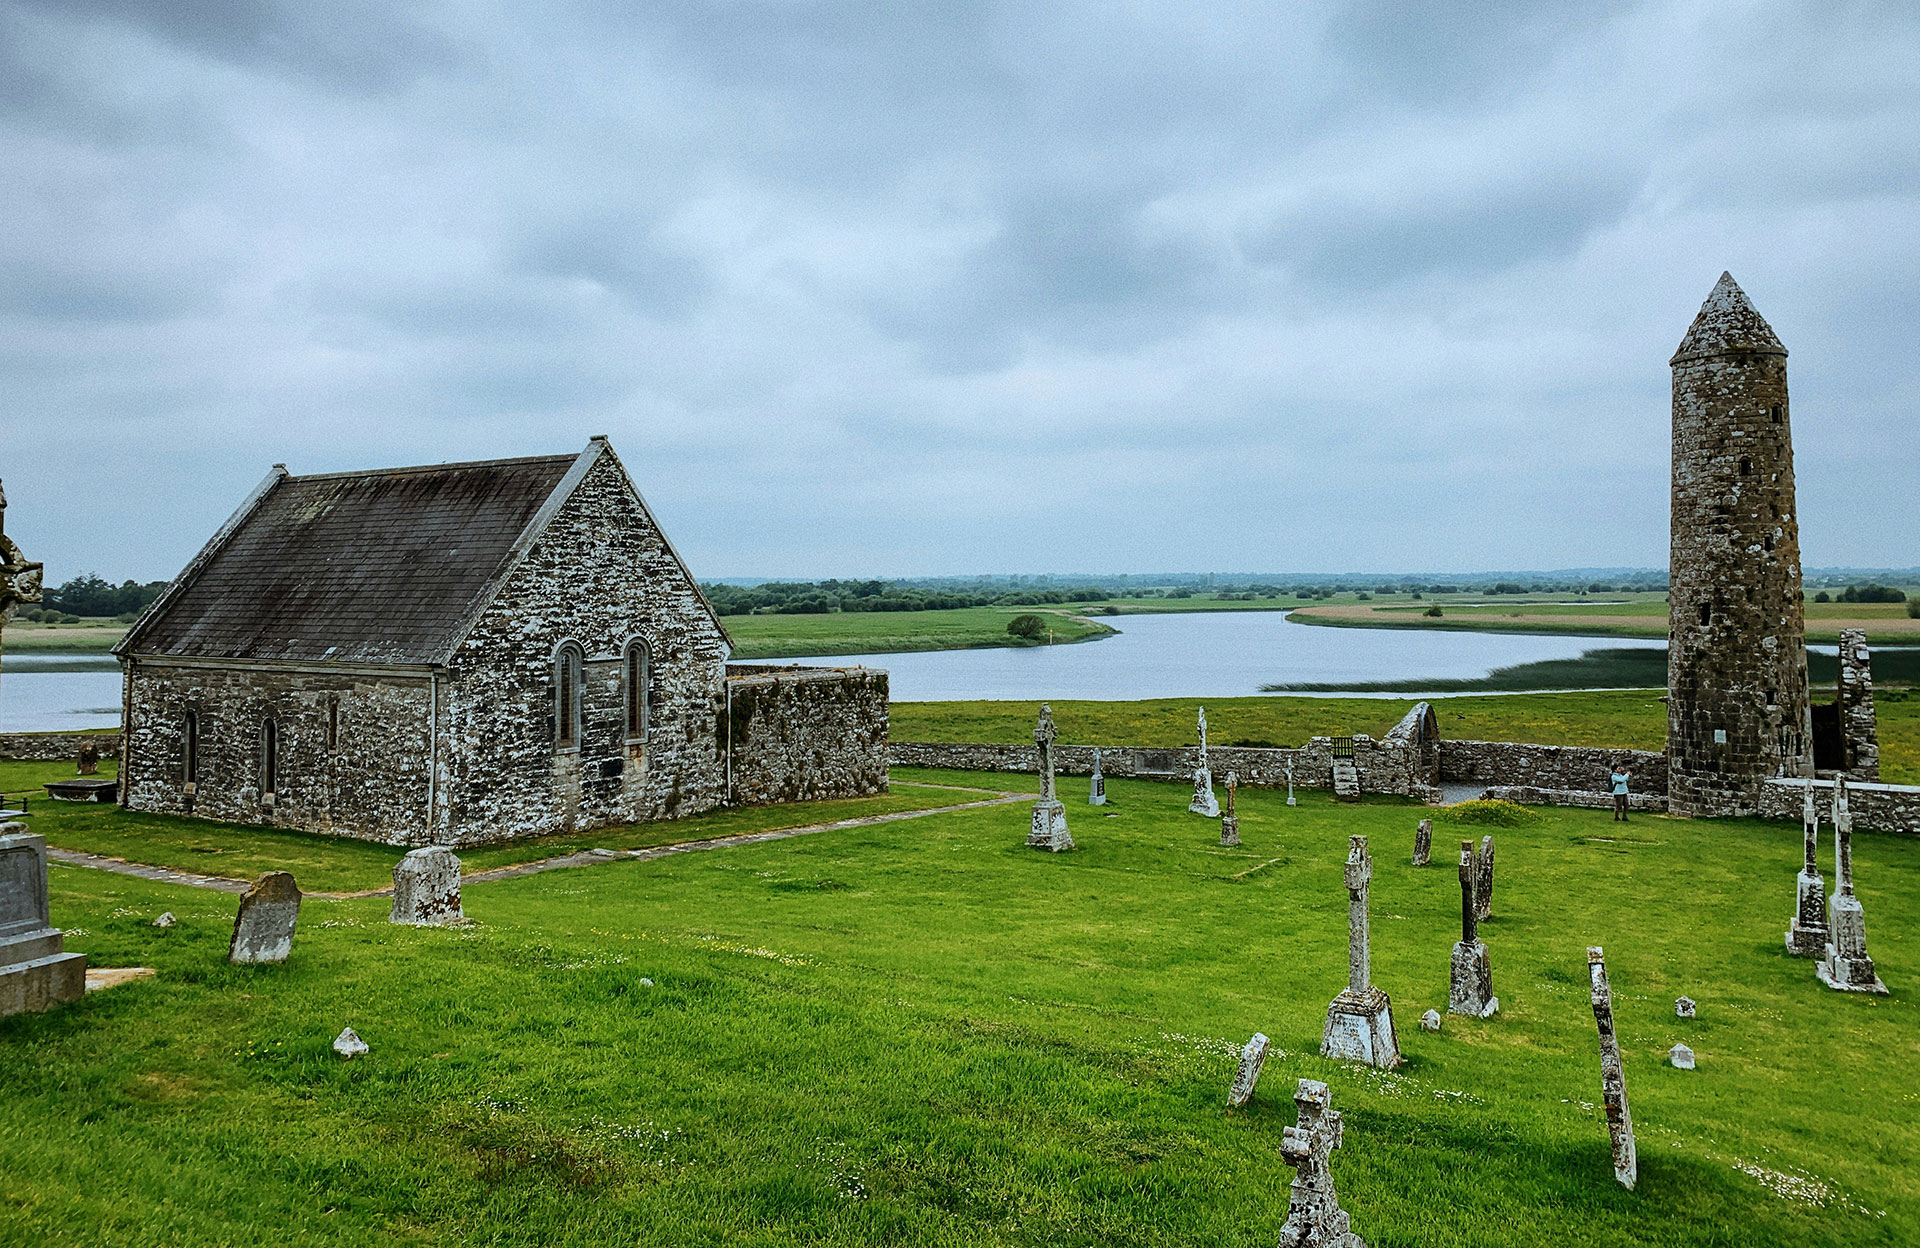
x=467, y=653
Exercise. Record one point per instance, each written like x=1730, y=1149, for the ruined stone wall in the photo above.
x=806, y=733
x=1875, y=807
x=47, y=747
x=1530, y=795
x=599, y=577
x=1562, y=767
x=1859, y=725
x=371, y=782
x=1738, y=709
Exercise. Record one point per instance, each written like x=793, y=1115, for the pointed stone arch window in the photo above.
x=569, y=681
x=638, y=674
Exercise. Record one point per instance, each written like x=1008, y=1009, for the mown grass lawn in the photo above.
x=924, y=1033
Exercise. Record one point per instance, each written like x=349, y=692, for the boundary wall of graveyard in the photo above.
x=800, y=734
x=1559, y=768
x=1878, y=807
x=53, y=747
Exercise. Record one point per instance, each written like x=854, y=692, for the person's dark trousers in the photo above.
x=1619, y=807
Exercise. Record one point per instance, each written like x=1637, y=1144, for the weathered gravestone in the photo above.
x=1846, y=966
x=1423, y=843
x=35, y=971
x=1430, y=1021
x=348, y=1044
x=1483, y=886
x=1230, y=820
x=88, y=764
x=1097, y=786
x=1613, y=1077
x=1290, y=799
x=1314, y=1216
x=1684, y=1007
x=263, y=929
x=1681, y=1056
x=1471, y=988
x=1360, y=1018
x=1252, y=1058
x=426, y=888
x=1048, y=829
x=1808, y=934
x=1204, y=802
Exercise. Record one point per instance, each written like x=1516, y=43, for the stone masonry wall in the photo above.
x=1858, y=723
x=1738, y=709
x=1381, y=771
x=805, y=733
x=1875, y=807
x=47, y=747
x=1566, y=767
x=600, y=577
x=371, y=783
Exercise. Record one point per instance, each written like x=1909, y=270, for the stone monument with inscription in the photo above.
x=1360, y=1019
x=1808, y=934
x=1097, y=785
x=426, y=888
x=1204, y=802
x=1314, y=1216
x=1846, y=966
x=1048, y=829
x=1613, y=1076
x=35, y=971
x=1471, y=988
x=263, y=927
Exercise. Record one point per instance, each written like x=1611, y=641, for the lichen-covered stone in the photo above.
x=1230, y=820
x=1247, y=1075
x=1846, y=966
x=1859, y=726
x=1613, y=1076
x=426, y=888
x=1483, y=881
x=1360, y=1019
x=1423, y=843
x=1204, y=802
x=1097, y=784
x=349, y=1045
x=1314, y=1216
x=263, y=927
x=1681, y=1056
x=1430, y=1021
x=1808, y=933
x=1048, y=827
x=1470, y=987
x=1684, y=1007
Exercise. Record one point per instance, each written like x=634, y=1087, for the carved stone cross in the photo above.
x=1359, y=877
x=1314, y=1216
x=1044, y=735
x=1203, y=736
x=1469, y=904
x=19, y=579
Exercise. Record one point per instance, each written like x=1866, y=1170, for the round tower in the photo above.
x=1737, y=704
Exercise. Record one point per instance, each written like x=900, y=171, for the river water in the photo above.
x=1201, y=654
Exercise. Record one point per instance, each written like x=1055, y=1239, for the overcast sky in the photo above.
x=901, y=289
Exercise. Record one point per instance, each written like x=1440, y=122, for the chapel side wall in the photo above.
x=372, y=784
x=600, y=576
x=804, y=734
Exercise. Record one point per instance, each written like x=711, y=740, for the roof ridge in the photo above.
x=456, y=464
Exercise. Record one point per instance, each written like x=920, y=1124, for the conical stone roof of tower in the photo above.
x=1727, y=322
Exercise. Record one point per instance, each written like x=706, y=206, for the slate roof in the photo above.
x=378, y=567
x=1727, y=322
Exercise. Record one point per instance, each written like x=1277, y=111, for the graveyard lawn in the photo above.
x=923, y=1032
x=340, y=864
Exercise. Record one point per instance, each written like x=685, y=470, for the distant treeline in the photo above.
x=90, y=595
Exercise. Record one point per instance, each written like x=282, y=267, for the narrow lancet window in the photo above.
x=566, y=696
x=639, y=679
x=269, y=757
x=190, y=748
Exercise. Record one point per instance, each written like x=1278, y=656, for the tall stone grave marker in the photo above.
x=263, y=929
x=1048, y=830
x=1613, y=1077
x=426, y=888
x=19, y=579
x=1808, y=934
x=35, y=971
x=1290, y=800
x=1360, y=1018
x=1097, y=786
x=1247, y=1076
x=1483, y=886
x=1846, y=966
x=1230, y=821
x=1423, y=843
x=1204, y=802
x=1471, y=989
x=1314, y=1216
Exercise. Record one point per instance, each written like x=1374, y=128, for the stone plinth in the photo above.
x=1049, y=828
x=426, y=888
x=36, y=973
x=1846, y=966
x=263, y=928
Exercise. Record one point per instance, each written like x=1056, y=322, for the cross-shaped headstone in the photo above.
x=1314, y=1216
x=1044, y=735
x=1842, y=839
x=1469, y=905
x=1203, y=736
x=19, y=579
x=1233, y=787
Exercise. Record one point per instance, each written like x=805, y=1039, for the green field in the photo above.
x=1609, y=615
x=91, y=637
x=876, y=632
x=1630, y=719
x=923, y=1033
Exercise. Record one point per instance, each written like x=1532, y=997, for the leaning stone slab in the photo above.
x=1252, y=1058
x=1423, y=843
x=426, y=888
x=263, y=929
x=1613, y=1077
x=36, y=973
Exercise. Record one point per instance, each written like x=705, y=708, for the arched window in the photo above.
x=568, y=668
x=639, y=677
x=190, y=748
x=269, y=757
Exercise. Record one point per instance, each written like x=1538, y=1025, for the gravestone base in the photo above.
x=1471, y=990
x=1846, y=966
x=1808, y=935
x=42, y=983
x=1049, y=830
x=1204, y=802
x=1360, y=1029
x=1230, y=829
x=1097, y=791
x=36, y=973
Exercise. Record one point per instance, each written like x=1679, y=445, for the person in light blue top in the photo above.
x=1620, y=778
